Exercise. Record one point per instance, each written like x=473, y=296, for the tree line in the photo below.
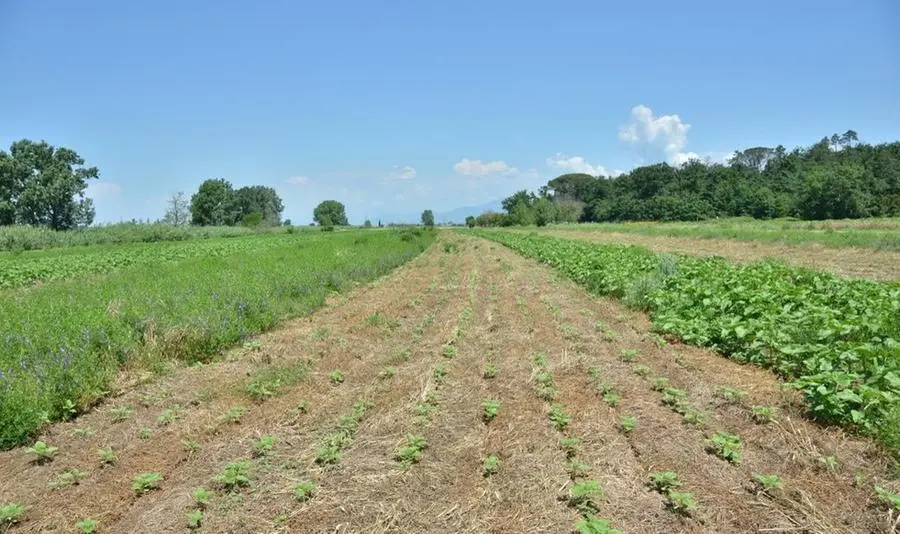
x=836, y=178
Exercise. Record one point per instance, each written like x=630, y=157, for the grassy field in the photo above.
x=877, y=234
x=471, y=389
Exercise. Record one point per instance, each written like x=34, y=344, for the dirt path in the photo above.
x=414, y=347
x=847, y=262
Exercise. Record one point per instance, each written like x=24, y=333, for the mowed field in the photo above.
x=469, y=389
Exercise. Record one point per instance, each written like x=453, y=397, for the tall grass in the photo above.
x=63, y=343
x=878, y=234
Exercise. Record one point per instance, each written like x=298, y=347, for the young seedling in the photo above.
x=10, y=514
x=449, y=352
x=547, y=393
x=68, y=478
x=595, y=373
x=107, y=456
x=234, y=414
x=768, y=482
x=490, y=370
x=659, y=383
x=628, y=423
x=544, y=378
x=540, y=359
x=411, y=452
x=571, y=446
x=559, y=417
x=890, y=498
x=144, y=433
x=387, y=372
x=42, y=452
x=146, y=482
x=762, y=414
x=612, y=399
x=303, y=407
x=190, y=446
x=194, y=519
x=169, y=415
x=672, y=397
x=584, y=496
x=828, y=463
x=263, y=446
x=120, y=413
x=201, y=497
x=328, y=454
x=628, y=355
x=694, y=417
x=576, y=469
x=681, y=502
x=234, y=476
x=664, y=481
x=641, y=370
x=83, y=432
x=489, y=410
x=726, y=446
x=490, y=466
x=439, y=375
x=731, y=395
x=336, y=377
x=303, y=491
x=595, y=525
x=87, y=526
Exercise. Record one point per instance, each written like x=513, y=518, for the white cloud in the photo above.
x=667, y=133
x=299, y=180
x=101, y=189
x=474, y=167
x=575, y=164
x=403, y=173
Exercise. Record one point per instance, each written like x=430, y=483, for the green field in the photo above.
x=107, y=308
x=878, y=234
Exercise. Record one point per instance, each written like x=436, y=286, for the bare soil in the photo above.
x=846, y=262
x=490, y=306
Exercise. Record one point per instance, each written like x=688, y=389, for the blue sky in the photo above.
x=394, y=107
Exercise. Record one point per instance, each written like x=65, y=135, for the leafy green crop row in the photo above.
x=23, y=269
x=62, y=344
x=836, y=340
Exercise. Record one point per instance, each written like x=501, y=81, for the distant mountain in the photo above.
x=459, y=215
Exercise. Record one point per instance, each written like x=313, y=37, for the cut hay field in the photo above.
x=450, y=382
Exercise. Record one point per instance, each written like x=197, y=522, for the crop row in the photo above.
x=62, y=344
x=17, y=270
x=836, y=340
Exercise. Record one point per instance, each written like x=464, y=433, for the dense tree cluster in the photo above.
x=41, y=185
x=217, y=203
x=836, y=178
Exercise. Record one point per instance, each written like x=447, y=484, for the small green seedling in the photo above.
x=87, y=526
x=595, y=525
x=768, y=482
x=120, y=413
x=42, y=452
x=731, y=395
x=659, y=383
x=828, y=463
x=673, y=397
x=559, y=417
x=144, y=433
x=107, y=456
x=489, y=410
x=234, y=476
x=585, y=495
x=575, y=468
x=202, y=496
x=595, y=372
x=490, y=370
x=387, y=372
x=194, y=519
x=83, y=432
x=146, y=482
x=336, y=377
x=449, y=352
x=263, y=446
x=628, y=355
x=540, y=359
x=68, y=478
x=544, y=378
x=627, y=423
x=612, y=399
x=547, y=393
x=190, y=446
x=490, y=466
x=571, y=446
x=411, y=452
x=169, y=415
x=641, y=370
x=726, y=446
x=328, y=454
x=762, y=414
x=664, y=481
x=10, y=514
x=303, y=491
x=891, y=498
x=234, y=414
x=439, y=375
x=681, y=502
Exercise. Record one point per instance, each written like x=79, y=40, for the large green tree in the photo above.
x=428, y=218
x=330, y=213
x=262, y=200
x=215, y=204
x=42, y=185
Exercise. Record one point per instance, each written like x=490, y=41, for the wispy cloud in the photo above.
x=475, y=167
x=299, y=180
x=404, y=172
